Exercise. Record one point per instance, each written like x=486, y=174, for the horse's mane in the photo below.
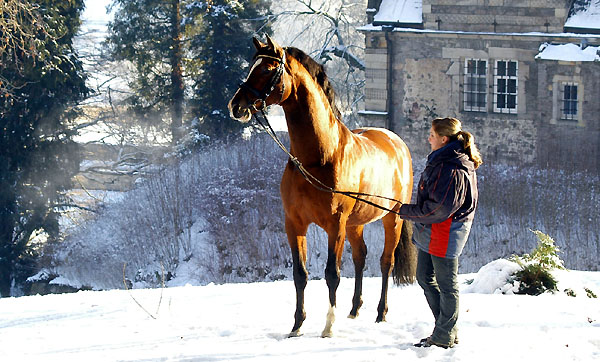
x=317, y=71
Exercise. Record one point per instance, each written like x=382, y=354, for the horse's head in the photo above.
x=265, y=83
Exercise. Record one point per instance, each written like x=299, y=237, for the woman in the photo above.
x=443, y=214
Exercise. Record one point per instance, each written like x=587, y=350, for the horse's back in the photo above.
x=385, y=140
x=386, y=165
x=381, y=136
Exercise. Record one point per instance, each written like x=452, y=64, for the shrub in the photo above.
x=545, y=254
x=535, y=280
x=535, y=276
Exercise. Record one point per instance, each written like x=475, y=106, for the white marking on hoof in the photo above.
x=350, y=316
x=329, y=323
x=295, y=333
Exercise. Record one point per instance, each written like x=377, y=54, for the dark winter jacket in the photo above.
x=446, y=202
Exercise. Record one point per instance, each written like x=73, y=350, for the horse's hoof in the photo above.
x=353, y=314
x=295, y=333
x=326, y=334
x=380, y=319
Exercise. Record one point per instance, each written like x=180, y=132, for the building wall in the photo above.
x=427, y=81
x=376, y=76
x=574, y=143
x=428, y=73
x=496, y=15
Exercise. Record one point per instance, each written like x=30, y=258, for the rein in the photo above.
x=315, y=182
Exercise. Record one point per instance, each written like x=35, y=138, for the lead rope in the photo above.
x=315, y=182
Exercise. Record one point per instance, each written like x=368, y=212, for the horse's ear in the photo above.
x=273, y=44
x=257, y=44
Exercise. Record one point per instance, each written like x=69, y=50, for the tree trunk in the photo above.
x=6, y=264
x=177, y=84
x=4, y=285
x=7, y=223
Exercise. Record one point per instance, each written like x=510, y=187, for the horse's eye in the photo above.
x=266, y=70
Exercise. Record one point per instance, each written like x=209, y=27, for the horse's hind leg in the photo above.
x=392, y=225
x=359, y=254
x=297, y=239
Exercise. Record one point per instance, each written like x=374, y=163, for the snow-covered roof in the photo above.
x=584, y=16
x=569, y=52
x=399, y=12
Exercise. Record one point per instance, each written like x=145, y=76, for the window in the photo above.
x=569, y=101
x=505, y=86
x=475, y=86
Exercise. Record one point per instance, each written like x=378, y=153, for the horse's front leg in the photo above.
x=359, y=254
x=296, y=234
x=337, y=236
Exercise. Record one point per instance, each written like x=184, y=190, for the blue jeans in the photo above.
x=439, y=279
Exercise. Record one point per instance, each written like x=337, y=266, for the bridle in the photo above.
x=262, y=95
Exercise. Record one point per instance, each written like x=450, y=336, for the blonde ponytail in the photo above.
x=471, y=150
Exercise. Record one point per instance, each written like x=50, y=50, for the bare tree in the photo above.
x=327, y=31
x=118, y=147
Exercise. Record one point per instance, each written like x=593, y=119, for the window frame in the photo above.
x=507, y=78
x=573, y=114
x=474, y=105
x=558, y=82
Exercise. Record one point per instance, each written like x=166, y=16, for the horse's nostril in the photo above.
x=238, y=111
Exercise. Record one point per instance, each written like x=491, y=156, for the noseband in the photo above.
x=262, y=95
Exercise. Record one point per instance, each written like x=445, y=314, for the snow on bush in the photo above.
x=493, y=278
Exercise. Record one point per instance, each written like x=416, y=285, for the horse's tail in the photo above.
x=405, y=257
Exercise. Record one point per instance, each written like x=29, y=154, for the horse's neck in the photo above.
x=315, y=134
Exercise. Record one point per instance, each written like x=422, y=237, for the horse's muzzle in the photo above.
x=239, y=113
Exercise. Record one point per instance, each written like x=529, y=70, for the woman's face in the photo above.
x=435, y=140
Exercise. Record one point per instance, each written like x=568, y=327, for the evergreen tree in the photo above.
x=150, y=35
x=184, y=44
x=224, y=48
x=37, y=155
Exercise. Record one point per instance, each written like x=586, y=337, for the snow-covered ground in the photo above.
x=251, y=321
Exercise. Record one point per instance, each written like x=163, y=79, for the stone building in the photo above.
x=522, y=75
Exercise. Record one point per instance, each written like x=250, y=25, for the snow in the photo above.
x=400, y=11
x=251, y=321
x=569, y=52
x=277, y=118
x=491, y=278
x=373, y=113
x=587, y=18
x=95, y=17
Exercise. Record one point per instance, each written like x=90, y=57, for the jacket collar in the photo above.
x=452, y=152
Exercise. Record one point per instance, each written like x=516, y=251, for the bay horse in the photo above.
x=367, y=160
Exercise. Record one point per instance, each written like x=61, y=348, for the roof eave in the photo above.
x=397, y=24
x=572, y=29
